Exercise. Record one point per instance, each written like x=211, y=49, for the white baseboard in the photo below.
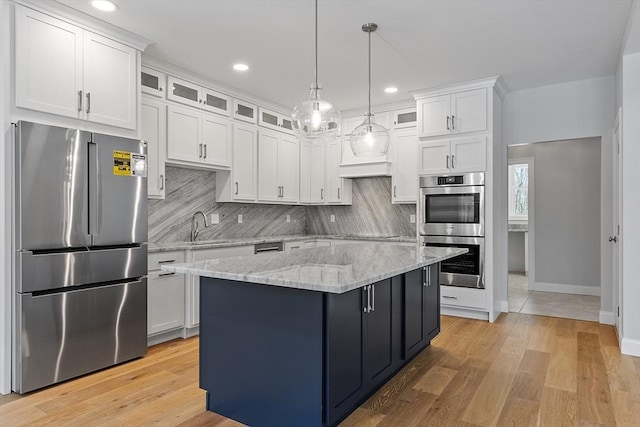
x=565, y=289
x=607, y=318
x=630, y=347
x=462, y=312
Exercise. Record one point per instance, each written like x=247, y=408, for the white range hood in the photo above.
x=359, y=167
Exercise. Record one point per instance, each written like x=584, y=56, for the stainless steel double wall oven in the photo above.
x=451, y=212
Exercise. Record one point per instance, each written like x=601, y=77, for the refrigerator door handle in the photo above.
x=95, y=195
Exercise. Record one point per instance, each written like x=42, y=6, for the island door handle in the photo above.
x=373, y=298
x=369, y=299
x=424, y=276
x=364, y=303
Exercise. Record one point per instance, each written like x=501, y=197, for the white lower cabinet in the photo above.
x=193, y=282
x=165, y=297
x=404, y=166
x=463, y=297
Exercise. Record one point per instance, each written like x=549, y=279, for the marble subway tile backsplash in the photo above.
x=372, y=213
x=189, y=191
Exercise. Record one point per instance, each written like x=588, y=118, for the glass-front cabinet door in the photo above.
x=245, y=111
x=276, y=121
x=184, y=92
x=405, y=118
x=216, y=102
x=153, y=82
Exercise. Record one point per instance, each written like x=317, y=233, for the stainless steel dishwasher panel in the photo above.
x=67, y=334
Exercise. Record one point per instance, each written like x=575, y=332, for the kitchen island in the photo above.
x=301, y=338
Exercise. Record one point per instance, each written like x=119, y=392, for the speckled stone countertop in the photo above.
x=226, y=243
x=335, y=269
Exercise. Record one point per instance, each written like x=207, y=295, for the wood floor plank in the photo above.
x=363, y=417
x=519, y=412
x=561, y=372
x=594, y=397
x=435, y=380
x=558, y=408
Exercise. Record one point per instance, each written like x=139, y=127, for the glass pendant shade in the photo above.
x=315, y=118
x=369, y=139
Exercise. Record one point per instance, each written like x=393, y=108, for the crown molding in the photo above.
x=496, y=82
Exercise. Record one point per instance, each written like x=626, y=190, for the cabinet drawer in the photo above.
x=463, y=297
x=157, y=259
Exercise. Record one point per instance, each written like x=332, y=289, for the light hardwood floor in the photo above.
x=522, y=370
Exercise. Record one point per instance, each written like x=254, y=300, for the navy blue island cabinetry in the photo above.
x=304, y=339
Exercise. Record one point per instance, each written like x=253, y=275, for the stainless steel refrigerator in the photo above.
x=80, y=253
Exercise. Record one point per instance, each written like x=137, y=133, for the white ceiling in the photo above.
x=419, y=43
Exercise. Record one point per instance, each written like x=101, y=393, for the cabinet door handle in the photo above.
x=424, y=276
x=322, y=194
x=395, y=195
x=236, y=187
x=79, y=100
x=88, y=102
x=447, y=161
x=364, y=303
x=161, y=182
x=448, y=128
x=160, y=89
x=205, y=151
x=373, y=298
x=453, y=157
x=166, y=274
x=338, y=193
x=166, y=261
x=453, y=122
x=199, y=151
x=369, y=299
x=448, y=297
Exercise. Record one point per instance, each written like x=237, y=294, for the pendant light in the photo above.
x=314, y=118
x=370, y=139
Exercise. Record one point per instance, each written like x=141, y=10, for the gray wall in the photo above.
x=190, y=190
x=516, y=252
x=372, y=213
x=566, y=210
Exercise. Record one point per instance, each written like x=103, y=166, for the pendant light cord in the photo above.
x=369, y=114
x=316, y=69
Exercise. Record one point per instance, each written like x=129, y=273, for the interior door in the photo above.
x=615, y=238
x=118, y=190
x=52, y=194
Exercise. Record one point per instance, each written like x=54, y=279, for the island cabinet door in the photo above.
x=379, y=351
x=432, y=301
x=414, y=313
x=344, y=375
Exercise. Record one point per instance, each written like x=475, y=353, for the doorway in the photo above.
x=615, y=238
x=554, y=228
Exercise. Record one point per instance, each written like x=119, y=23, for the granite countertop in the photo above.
x=335, y=269
x=241, y=241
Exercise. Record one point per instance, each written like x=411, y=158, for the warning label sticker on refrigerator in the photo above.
x=129, y=164
x=122, y=163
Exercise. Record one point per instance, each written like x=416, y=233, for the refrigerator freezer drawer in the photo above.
x=53, y=270
x=71, y=333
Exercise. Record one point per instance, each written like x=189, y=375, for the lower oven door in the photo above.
x=62, y=335
x=465, y=270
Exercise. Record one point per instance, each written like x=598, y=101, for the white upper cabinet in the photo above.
x=316, y=173
x=153, y=82
x=65, y=70
x=109, y=81
x=194, y=95
x=404, y=166
x=216, y=135
x=276, y=121
x=245, y=111
x=338, y=189
x=467, y=154
x=278, y=173
x=198, y=137
x=243, y=169
x=349, y=124
x=460, y=112
x=154, y=131
x=305, y=172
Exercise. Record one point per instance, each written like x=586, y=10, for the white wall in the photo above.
x=516, y=251
x=566, y=220
x=578, y=109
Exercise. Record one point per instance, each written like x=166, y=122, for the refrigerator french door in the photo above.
x=80, y=253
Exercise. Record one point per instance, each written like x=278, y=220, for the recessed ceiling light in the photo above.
x=104, y=5
x=240, y=67
x=391, y=89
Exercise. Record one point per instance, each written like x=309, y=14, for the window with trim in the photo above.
x=519, y=192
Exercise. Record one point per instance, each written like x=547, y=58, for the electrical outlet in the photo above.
x=215, y=218
x=288, y=218
x=412, y=218
x=333, y=218
x=239, y=218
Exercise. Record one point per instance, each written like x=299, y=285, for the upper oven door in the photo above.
x=452, y=211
